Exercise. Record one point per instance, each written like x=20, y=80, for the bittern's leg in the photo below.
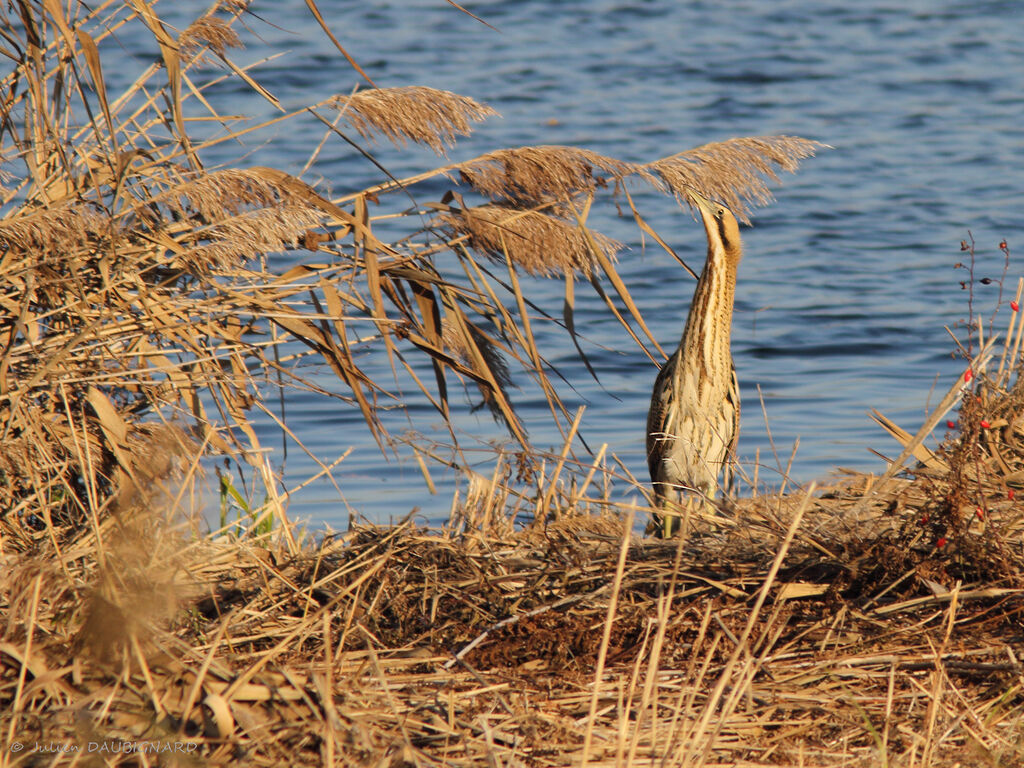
x=677, y=509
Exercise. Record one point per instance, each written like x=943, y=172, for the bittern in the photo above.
x=693, y=422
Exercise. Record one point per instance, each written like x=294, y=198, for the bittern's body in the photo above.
x=693, y=422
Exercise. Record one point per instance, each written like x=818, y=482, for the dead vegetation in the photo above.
x=821, y=631
x=877, y=622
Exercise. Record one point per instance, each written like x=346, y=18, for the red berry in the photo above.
x=1014, y=306
x=1010, y=494
x=985, y=424
x=980, y=513
x=941, y=542
x=925, y=519
x=1002, y=244
x=968, y=375
x=951, y=424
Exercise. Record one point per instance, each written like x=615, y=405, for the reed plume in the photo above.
x=537, y=242
x=423, y=115
x=531, y=176
x=207, y=32
x=733, y=172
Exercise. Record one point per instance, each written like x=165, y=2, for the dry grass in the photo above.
x=860, y=624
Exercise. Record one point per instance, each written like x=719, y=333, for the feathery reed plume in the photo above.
x=415, y=113
x=207, y=31
x=733, y=171
x=241, y=237
x=64, y=228
x=534, y=175
x=539, y=243
x=218, y=194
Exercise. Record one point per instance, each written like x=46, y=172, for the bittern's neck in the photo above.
x=706, y=338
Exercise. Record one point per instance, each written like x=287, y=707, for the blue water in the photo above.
x=848, y=277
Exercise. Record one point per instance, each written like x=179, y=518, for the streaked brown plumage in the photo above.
x=693, y=422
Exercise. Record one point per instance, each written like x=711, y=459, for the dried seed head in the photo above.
x=735, y=171
x=64, y=229
x=539, y=243
x=210, y=32
x=414, y=113
x=530, y=176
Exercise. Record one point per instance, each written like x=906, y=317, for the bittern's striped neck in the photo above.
x=705, y=342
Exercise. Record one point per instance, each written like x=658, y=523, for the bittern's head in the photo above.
x=721, y=226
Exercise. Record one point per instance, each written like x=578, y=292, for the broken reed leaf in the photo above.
x=210, y=32
x=537, y=242
x=734, y=172
x=457, y=344
x=534, y=175
x=414, y=113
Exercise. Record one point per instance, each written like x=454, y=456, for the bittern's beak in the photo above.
x=699, y=200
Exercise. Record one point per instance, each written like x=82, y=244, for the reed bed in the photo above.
x=144, y=320
x=828, y=627
x=872, y=621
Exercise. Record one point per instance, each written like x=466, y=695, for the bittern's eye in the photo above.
x=721, y=213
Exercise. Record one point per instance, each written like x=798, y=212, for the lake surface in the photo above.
x=848, y=278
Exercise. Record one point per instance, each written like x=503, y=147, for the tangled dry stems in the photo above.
x=129, y=266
